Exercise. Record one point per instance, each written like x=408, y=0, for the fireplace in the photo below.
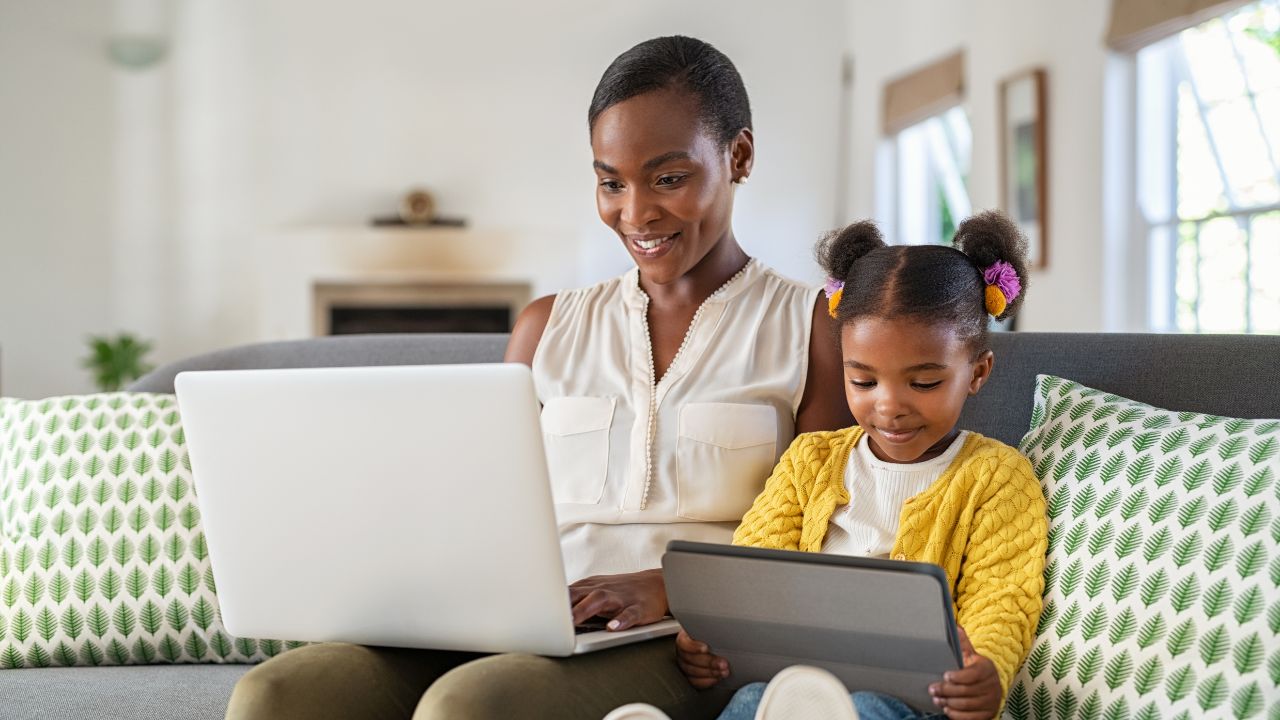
x=358, y=320
x=346, y=307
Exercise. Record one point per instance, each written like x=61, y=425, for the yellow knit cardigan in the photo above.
x=982, y=521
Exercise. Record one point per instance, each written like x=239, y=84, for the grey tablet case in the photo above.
x=879, y=625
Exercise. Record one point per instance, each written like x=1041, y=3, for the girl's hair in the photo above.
x=681, y=63
x=933, y=283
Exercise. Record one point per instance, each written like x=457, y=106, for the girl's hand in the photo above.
x=698, y=664
x=629, y=599
x=971, y=693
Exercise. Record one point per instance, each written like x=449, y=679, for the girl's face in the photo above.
x=906, y=383
x=663, y=183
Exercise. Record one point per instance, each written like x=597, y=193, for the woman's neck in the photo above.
x=712, y=271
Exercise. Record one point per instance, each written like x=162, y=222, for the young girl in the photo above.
x=905, y=483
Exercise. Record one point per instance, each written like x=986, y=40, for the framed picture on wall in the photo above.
x=1023, y=159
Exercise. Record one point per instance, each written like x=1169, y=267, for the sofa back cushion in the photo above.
x=1230, y=375
x=337, y=351
x=102, y=556
x=1165, y=370
x=1162, y=581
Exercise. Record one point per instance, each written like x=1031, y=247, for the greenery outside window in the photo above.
x=924, y=172
x=1209, y=173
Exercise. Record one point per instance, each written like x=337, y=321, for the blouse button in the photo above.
x=900, y=556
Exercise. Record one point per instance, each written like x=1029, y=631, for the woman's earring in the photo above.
x=742, y=180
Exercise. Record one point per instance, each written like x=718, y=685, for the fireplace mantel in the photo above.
x=299, y=268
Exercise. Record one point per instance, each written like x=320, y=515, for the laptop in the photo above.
x=880, y=625
x=396, y=506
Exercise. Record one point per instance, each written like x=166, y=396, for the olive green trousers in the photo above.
x=335, y=680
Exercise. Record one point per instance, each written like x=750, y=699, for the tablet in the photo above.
x=879, y=625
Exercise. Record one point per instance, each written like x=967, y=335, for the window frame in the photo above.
x=906, y=201
x=1141, y=243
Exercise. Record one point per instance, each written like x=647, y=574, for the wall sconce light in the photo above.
x=136, y=52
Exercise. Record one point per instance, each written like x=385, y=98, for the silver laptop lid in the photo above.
x=403, y=506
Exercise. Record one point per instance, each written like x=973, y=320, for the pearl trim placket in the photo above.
x=653, y=379
x=596, y=345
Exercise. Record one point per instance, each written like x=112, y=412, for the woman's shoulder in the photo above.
x=775, y=282
x=604, y=292
x=526, y=333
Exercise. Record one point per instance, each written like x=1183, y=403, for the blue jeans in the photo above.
x=870, y=706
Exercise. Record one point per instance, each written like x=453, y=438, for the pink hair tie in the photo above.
x=1003, y=286
x=834, y=290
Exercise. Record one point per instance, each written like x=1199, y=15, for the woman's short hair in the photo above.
x=681, y=63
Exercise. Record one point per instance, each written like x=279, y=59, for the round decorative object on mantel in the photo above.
x=417, y=207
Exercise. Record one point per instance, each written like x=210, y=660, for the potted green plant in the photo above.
x=117, y=360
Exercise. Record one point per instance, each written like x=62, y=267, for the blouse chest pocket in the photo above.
x=724, y=454
x=575, y=432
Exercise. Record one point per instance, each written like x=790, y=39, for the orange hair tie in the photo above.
x=833, y=301
x=996, y=302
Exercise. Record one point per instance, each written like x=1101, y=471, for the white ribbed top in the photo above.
x=868, y=525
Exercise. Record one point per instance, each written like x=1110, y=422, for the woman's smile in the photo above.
x=651, y=245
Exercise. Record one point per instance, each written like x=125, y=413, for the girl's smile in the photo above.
x=898, y=437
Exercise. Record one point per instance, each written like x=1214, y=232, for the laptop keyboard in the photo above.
x=591, y=625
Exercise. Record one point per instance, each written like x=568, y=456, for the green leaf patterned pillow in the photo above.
x=1162, y=581
x=102, y=557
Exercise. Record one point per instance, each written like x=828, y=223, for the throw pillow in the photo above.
x=102, y=556
x=1162, y=581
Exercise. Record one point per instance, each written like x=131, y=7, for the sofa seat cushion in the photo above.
x=178, y=692
x=1162, y=581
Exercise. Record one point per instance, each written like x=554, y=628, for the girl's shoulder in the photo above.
x=991, y=449
x=822, y=443
x=990, y=458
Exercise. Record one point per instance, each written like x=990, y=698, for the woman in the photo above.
x=668, y=394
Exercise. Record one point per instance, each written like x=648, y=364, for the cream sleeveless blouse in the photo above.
x=634, y=463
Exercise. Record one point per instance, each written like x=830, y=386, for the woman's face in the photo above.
x=663, y=183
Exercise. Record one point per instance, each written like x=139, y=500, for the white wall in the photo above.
x=271, y=117
x=296, y=115
x=56, y=217
x=167, y=201
x=1002, y=38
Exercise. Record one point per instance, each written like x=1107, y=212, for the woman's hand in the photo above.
x=629, y=599
x=971, y=693
x=698, y=664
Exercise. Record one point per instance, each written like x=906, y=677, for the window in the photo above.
x=924, y=175
x=1208, y=173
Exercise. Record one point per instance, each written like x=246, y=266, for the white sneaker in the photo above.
x=637, y=711
x=801, y=692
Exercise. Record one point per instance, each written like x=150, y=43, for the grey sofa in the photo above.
x=1226, y=375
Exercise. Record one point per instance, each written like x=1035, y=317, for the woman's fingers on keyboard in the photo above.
x=596, y=602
